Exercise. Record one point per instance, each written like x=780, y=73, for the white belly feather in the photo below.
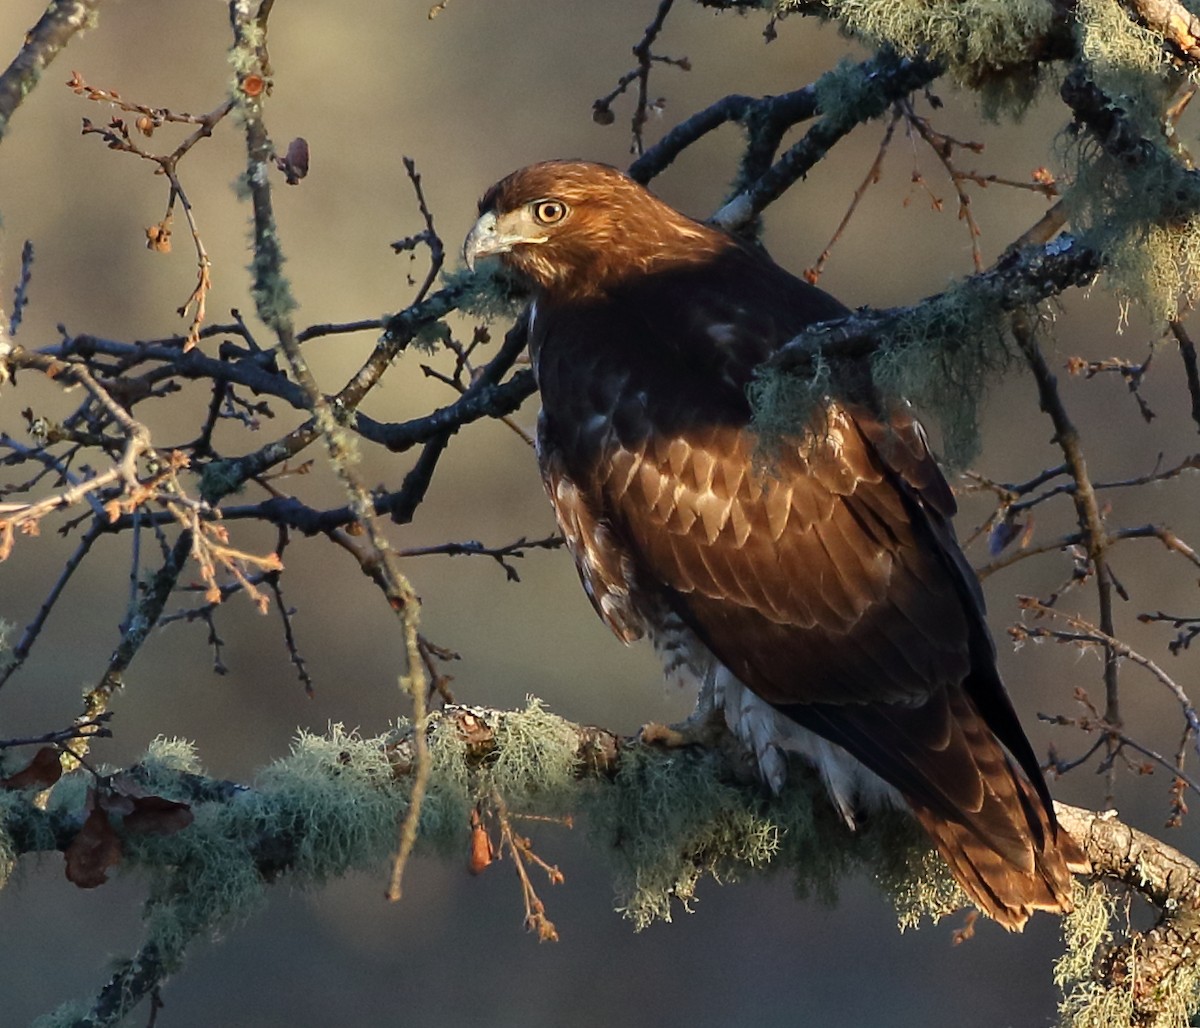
x=761, y=729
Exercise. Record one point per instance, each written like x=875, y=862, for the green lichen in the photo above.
x=489, y=293
x=1141, y=215
x=1127, y=60
x=431, y=336
x=786, y=404
x=336, y=796
x=667, y=820
x=910, y=873
x=167, y=758
x=1159, y=269
x=1088, y=1003
x=1085, y=930
x=9, y=801
x=219, y=478
x=848, y=89
x=941, y=357
x=977, y=39
x=272, y=292
x=670, y=820
x=536, y=762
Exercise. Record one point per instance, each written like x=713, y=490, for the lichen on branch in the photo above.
x=664, y=819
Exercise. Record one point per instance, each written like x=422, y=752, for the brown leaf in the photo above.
x=93, y=851
x=482, y=851
x=295, y=164
x=155, y=815
x=113, y=801
x=40, y=773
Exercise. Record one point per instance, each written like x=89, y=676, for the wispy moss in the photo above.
x=847, y=89
x=670, y=819
x=785, y=404
x=1085, y=930
x=489, y=293
x=1140, y=214
x=1087, y=1003
x=1128, y=61
x=977, y=39
x=8, y=851
x=940, y=355
x=536, y=760
x=1159, y=268
x=667, y=820
x=7, y=657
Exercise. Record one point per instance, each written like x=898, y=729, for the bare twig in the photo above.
x=57, y=26
x=500, y=554
x=21, y=292
x=1187, y=353
x=429, y=236
x=872, y=177
x=646, y=59
x=275, y=304
x=1087, y=509
x=892, y=77
x=1085, y=633
x=118, y=137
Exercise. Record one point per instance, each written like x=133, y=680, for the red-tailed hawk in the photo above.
x=821, y=602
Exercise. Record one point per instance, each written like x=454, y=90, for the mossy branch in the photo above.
x=664, y=818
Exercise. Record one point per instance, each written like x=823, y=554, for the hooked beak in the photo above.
x=489, y=238
x=483, y=240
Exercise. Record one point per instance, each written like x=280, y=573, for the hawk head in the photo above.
x=575, y=229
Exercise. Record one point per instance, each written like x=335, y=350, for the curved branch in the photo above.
x=56, y=27
x=1018, y=280
x=1143, y=964
x=885, y=78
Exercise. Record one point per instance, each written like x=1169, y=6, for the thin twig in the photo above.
x=57, y=26
x=500, y=554
x=602, y=108
x=1087, y=509
x=250, y=46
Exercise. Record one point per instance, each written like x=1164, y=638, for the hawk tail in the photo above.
x=1010, y=887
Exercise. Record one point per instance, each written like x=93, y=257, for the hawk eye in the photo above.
x=549, y=212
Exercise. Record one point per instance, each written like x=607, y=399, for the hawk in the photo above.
x=821, y=602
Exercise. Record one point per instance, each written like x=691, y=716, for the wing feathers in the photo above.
x=831, y=584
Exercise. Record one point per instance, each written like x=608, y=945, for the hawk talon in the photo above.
x=705, y=727
x=677, y=736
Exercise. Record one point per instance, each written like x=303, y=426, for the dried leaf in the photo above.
x=294, y=164
x=482, y=852
x=1002, y=535
x=93, y=851
x=40, y=773
x=156, y=815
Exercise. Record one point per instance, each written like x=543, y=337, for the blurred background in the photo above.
x=482, y=89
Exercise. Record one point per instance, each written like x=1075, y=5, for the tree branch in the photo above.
x=58, y=24
x=536, y=764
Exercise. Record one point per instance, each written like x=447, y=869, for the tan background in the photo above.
x=485, y=88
